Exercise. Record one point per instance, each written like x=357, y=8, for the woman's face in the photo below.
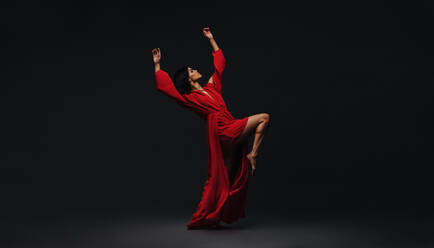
x=194, y=75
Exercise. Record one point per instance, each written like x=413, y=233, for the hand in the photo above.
x=157, y=55
x=207, y=33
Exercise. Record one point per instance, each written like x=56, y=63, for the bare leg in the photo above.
x=259, y=136
x=257, y=124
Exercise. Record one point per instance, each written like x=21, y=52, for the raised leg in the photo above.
x=257, y=125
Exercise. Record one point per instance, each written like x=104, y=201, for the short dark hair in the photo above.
x=181, y=80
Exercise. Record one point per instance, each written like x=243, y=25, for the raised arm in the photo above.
x=163, y=81
x=218, y=59
x=209, y=35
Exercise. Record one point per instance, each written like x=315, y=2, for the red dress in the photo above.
x=222, y=198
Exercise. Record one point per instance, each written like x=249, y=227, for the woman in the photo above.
x=225, y=190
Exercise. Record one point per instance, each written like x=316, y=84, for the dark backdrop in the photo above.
x=348, y=85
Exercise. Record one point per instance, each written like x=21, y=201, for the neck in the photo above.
x=196, y=86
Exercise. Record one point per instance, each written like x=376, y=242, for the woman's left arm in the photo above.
x=207, y=33
x=219, y=61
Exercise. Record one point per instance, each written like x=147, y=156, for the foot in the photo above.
x=252, y=159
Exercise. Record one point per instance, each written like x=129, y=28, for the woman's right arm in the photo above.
x=163, y=81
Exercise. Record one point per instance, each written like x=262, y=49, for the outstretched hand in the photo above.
x=207, y=33
x=156, y=55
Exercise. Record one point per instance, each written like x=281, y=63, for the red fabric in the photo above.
x=222, y=198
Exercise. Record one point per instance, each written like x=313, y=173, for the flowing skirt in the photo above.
x=225, y=190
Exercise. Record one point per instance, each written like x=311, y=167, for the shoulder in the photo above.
x=186, y=95
x=210, y=80
x=190, y=95
x=209, y=85
x=187, y=99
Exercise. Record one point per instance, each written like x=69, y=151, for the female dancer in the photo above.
x=225, y=190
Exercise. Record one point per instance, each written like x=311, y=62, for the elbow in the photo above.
x=159, y=84
x=221, y=66
x=220, y=70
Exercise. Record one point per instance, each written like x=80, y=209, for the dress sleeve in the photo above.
x=219, y=65
x=165, y=85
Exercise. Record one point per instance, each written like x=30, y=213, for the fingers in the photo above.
x=156, y=51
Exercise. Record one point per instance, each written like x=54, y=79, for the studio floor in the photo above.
x=254, y=231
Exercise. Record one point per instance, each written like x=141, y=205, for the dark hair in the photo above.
x=181, y=80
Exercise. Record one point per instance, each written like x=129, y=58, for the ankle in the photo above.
x=253, y=154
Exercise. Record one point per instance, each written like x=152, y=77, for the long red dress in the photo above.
x=223, y=198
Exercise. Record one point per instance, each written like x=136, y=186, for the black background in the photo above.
x=348, y=85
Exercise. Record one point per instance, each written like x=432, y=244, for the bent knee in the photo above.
x=265, y=117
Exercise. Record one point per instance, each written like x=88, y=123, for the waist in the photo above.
x=222, y=113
